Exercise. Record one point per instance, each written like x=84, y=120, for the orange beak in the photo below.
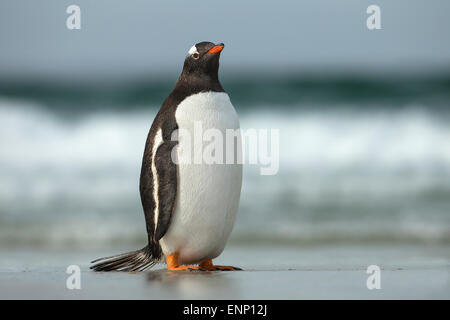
x=216, y=49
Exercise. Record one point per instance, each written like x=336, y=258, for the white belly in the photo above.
x=208, y=194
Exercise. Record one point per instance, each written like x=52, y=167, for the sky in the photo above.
x=132, y=38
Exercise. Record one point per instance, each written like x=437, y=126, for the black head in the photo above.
x=203, y=60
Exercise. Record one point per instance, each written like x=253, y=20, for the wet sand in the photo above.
x=321, y=272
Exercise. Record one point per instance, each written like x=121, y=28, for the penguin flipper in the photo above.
x=166, y=176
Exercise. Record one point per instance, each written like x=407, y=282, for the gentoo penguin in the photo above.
x=189, y=207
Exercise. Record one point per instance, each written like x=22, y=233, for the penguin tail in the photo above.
x=139, y=260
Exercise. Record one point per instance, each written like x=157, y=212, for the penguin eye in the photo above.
x=196, y=55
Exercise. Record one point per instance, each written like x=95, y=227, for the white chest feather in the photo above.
x=208, y=194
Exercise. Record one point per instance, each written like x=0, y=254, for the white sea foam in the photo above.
x=341, y=139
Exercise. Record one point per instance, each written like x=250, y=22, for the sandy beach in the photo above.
x=269, y=273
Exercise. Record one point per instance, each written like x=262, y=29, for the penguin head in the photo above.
x=203, y=59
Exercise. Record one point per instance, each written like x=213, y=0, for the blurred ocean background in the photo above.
x=361, y=161
x=363, y=118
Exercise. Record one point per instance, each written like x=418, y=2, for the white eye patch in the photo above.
x=192, y=50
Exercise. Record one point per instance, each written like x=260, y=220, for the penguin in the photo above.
x=189, y=207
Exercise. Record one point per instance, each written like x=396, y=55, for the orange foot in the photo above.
x=209, y=266
x=172, y=264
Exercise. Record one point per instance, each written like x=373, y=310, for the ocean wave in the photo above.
x=247, y=90
x=345, y=175
x=412, y=138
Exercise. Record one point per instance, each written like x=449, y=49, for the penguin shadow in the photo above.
x=188, y=282
x=163, y=275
